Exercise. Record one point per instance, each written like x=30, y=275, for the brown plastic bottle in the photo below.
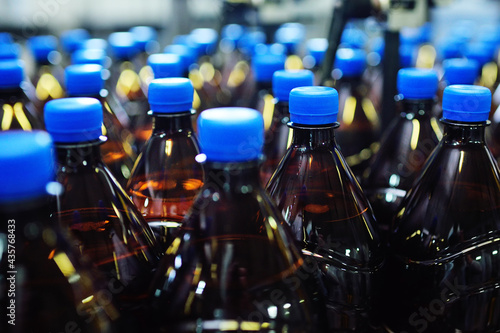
x=166, y=176
x=443, y=266
x=105, y=225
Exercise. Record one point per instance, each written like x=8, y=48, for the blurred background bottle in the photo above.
x=117, y=153
x=330, y=218
x=105, y=225
x=45, y=288
x=234, y=254
x=166, y=176
x=48, y=73
x=408, y=141
x=359, y=121
x=277, y=133
x=442, y=273
x=17, y=111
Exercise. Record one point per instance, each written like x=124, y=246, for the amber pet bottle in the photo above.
x=443, y=268
x=330, y=218
x=234, y=266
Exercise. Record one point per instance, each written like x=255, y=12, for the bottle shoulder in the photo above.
x=455, y=201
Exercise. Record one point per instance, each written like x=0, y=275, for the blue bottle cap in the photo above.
x=406, y=55
x=264, y=66
x=182, y=39
x=248, y=41
x=353, y=38
x=95, y=43
x=123, y=45
x=188, y=54
x=76, y=119
x=350, y=62
x=290, y=35
x=143, y=36
x=72, y=40
x=9, y=51
x=84, y=80
x=467, y=103
x=11, y=73
x=233, y=32
x=6, y=38
x=314, y=105
x=285, y=80
x=460, y=71
x=41, y=46
x=89, y=56
x=451, y=48
x=170, y=95
x=481, y=52
x=231, y=134
x=27, y=165
x=316, y=47
x=206, y=40
x=417, y=83
x=165, y=65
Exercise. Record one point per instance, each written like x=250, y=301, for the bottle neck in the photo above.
x=417, y=107
x=314, y=137
x=21, y=213
x=462, y=133
x=282, y=111
x=12, y=94
x=173, y=122
x=234, y=177
x=79, y=154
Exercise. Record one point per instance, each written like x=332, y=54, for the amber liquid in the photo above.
x=17, y=112
x=165, y=211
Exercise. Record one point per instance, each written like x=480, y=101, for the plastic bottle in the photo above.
x=117, y=152
x=330, y=217
x=105, y=225
x=408, y=141
x=359, y=121
x=443, y=271
x=45, y=288
x=126, y=84
x=277, y=133
x=233, y=265
x=263, y=67
x=166, y=176
x=16, y=109
x=48, y=73
x=315, y=49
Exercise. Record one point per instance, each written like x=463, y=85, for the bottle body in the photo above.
x=45, y=288
x=332, y=222
x=237, y=263
x=409, y=140
x=106, y=227
x=443, y=266
x=166, y=177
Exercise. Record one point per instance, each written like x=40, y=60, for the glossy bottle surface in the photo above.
x=40, y=272
x=104, y=222
x=359, y=123
x=44, y=287
x=408, y=141
x=332, y=222
x=232, y=266
x=276, y=140
x=17, y=112
x=166, y=176
x=443, y=270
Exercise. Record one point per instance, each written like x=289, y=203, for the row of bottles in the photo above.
x=228, y=241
